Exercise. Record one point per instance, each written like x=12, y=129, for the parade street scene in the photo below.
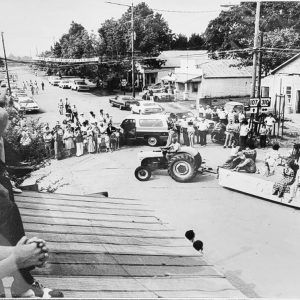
x=149, y=149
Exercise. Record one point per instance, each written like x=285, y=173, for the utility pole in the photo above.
x=255, y=46
x=132, y=51
x=259, y=64
x=6, y=63
x=132, y=41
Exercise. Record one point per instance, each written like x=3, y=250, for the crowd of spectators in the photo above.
x=78, y=134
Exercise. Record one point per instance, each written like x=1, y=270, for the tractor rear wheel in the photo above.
x=182, y=168
x=142, y=173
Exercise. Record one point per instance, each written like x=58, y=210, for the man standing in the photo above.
x=270, y=121
x=203, y=128
x=43, y=85
x=230, y=128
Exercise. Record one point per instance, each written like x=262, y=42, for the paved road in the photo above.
x=85, y=101
x=254, y=242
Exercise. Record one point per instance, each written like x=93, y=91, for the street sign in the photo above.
x=253, y=102
x=253, y=110
x=264, y=102
x=124, y=82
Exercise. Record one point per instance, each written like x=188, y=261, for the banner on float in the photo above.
x=67, y=60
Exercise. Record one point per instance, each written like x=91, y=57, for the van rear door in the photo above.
x=129, y=127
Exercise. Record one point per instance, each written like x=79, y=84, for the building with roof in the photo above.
x=172, y=59
x=284, y=83
x=211, y=79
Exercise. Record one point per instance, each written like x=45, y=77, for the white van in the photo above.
x=151, y=128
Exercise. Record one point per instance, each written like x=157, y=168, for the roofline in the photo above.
x=285, y=63
x=227, y=77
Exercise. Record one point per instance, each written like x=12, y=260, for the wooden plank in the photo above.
x=213, y=286
x=123, y=270
x=85, y=216
x=62, y=195
x=123, y=249
x=101, y=231
x=96, y=239
x=90, y=210
x=90, y=223
x=75, y=198
x=71, y=203
x=140, y=260
x=111, y=294
x=199, y=293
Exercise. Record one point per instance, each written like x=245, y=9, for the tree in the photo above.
x=196, y=42
x=234, y=29
x=180, y=42
x=152, y=33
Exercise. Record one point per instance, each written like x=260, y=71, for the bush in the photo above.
x=31, y=150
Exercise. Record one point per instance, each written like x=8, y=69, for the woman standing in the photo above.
x=69, y=141
x=58, y=142
x=79, y=142
x=90, y=140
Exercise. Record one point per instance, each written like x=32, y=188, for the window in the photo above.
x=265, y=91
x=181, y=86
x=151, y=123
x=195, y=87
x=288, y=92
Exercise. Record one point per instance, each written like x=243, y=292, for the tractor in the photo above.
x=182, y=165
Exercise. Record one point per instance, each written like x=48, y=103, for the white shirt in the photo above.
x=270, y=121
x=222, y=114
x=202, y=126
x=244, y=129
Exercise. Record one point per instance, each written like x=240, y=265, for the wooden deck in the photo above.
x=109, y=247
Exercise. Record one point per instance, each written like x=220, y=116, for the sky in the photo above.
x=32, y=26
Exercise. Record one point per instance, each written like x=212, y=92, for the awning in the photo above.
x=183, y=78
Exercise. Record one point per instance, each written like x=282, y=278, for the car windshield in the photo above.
x=80, y=82
x=151, y=123
x=26, y=101
x=150, y=104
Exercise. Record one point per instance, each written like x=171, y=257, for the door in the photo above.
x=298, y=102
x=129, y=128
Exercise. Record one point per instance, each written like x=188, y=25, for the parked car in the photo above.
x=152, y=129
x=90, y=84
x=54, y=80
x=79, y=85
x=26, y=104
x=146, y=107
x=163, y=97
x=3, y=84
x=123, y=102
x=232, y=105
x=64, y=84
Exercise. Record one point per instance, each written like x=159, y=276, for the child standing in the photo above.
x=263, y=136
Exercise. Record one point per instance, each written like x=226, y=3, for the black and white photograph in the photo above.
x=149, y=149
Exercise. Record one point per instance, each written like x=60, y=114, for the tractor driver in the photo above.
x=172, y=148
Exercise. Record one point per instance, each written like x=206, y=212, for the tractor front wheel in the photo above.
x=182, y=168
x=142, y=173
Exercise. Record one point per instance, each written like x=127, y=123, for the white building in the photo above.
x=212, y=79
x=285, y=81
x=172, y=59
